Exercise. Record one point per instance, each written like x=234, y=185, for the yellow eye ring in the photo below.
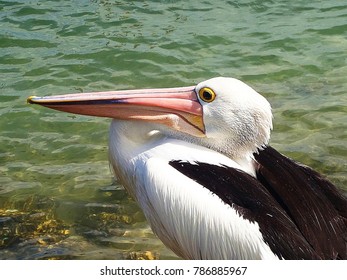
x=207, y=95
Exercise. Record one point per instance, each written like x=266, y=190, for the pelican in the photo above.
x=198, y=162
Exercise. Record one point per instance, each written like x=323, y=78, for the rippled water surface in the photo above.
x=57, y=196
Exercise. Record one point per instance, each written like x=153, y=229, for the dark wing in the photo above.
x=313, y=203
x=253, y=202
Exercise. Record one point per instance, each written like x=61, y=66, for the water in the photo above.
x=57, y=196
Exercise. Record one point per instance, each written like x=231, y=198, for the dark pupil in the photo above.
x=207, y=95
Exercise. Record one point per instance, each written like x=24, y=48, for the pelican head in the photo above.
x=237, y=119
x=221, y=113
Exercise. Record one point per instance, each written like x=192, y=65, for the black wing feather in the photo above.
x=313, y=203
x=253, y=202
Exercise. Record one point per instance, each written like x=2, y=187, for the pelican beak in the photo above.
x=177, y=108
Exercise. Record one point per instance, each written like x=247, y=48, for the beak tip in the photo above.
x=30, y=99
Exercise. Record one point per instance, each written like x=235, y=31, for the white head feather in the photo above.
x=239, y=121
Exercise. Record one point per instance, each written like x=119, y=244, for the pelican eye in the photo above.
x=206, y=94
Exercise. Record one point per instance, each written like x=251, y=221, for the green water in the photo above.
x=57, y=195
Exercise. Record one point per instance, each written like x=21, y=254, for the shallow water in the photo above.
x=57, y=196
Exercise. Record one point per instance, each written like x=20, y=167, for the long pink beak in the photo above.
x=177, y=108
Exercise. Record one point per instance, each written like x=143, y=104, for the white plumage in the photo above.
x=176, y=207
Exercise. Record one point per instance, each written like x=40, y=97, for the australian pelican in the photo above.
x=197, y=161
